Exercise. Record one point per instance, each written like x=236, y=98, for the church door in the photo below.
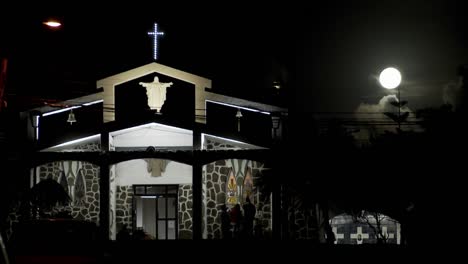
x=155, y=212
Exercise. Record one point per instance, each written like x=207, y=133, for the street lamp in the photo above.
x=390, y=78
x=53, y=23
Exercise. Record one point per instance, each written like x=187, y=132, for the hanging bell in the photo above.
x=239, y=113
x=71, y=117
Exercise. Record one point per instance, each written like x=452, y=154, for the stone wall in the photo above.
x=85, y=206
x=185, y=211
x=82, y=208
x=216, y=175
x=123, y=206
x=96, y=146
x=215, y=181
x=213, y=145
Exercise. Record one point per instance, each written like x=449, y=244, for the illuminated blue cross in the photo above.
x=155, y=34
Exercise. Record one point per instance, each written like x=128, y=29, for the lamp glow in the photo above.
x=53, y=24
x=390, y=78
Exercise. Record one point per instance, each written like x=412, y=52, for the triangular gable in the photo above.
x=109, y=84
x=151, y=134
x=212, y=142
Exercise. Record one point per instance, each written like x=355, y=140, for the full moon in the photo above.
x=390, y=78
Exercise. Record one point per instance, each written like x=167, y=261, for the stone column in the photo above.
x=197, y=186
x=104, y=187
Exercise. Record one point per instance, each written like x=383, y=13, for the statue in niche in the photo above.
x=156, y=92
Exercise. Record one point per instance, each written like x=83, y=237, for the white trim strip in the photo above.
x=158, y=124
x=95, y=102
x=76, y=141
x=147, y=196
x=70, y=108
x=236, y=106
x=226, y=139
x=61, y=110
x=202, y=146
x=149, y=125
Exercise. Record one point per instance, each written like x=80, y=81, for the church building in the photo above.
x=156, y=152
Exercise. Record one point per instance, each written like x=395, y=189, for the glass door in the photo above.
x=155, y=212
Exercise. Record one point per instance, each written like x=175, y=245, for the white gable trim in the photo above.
x=242, y=103
x=152, y=134
x=127, y=130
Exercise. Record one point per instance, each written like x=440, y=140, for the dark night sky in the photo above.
x=331, y=52
x=426, y=40
x=233, y=47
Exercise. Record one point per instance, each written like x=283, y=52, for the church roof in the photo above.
x=63, y=106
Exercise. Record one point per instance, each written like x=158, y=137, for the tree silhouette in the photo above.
x=400, y=117
x=47, y=194
x=374, y=220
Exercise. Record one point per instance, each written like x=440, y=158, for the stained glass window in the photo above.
x=80, y=189
x=231, y=189
x=247, y=190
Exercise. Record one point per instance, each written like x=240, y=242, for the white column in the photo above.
x=398, y=233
